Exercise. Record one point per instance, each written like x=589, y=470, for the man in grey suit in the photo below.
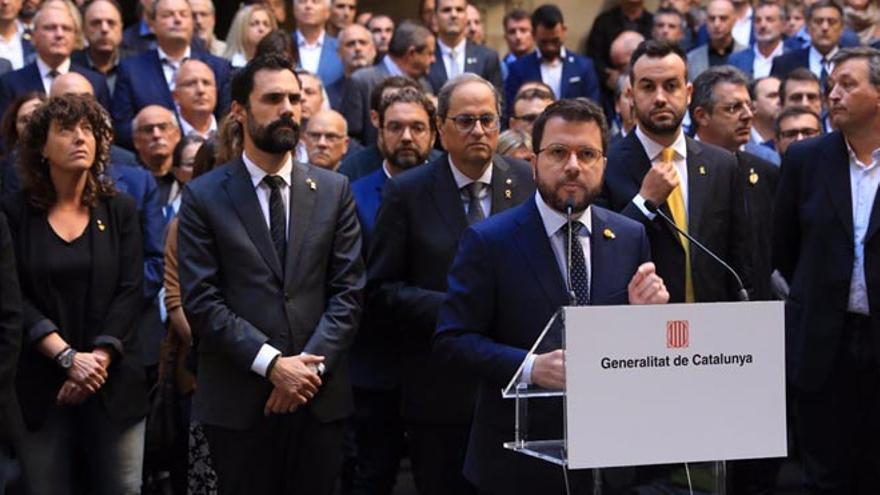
x=410, y=54
x=456, y=54
x=720, y=18
x=271, y=273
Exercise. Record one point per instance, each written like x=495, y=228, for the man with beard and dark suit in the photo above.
x=407, y=128
x=697, y=185
x=421, y=217
x=507, y=282
x=826, y=244
x=271, y=276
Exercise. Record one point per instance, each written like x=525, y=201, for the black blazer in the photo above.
x=716, y=217
x=115, y=300
x=790, y=61
x=413, y=244
x=28, y=78
x=237, y=297
x=10, y=336
x=759, y=179
x=478, y=60
x=813, y=249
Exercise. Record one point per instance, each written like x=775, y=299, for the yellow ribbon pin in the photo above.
x=609, y=234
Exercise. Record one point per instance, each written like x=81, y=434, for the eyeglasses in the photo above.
x=528, y=117
x=466, y=123
x=736, y=108
x=805, y=132
x=331, y=137
x=149, y=128
x=558, y=154
x=416, y=129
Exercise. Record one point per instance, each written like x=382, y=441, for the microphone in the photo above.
x=652, y=207
x=569, y=206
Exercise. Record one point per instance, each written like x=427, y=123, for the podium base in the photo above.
x=546, y=450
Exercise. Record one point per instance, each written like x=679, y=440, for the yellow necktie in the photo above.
x=679, y=214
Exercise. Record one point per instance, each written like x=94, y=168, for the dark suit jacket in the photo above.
x=790, y=61
x=115, y=299
x=716, y=217
x=744, y=59
x=813, y=249
x=5, y=66
x=330, y=67
x=28, y=78
x=140, y=82
x=134, y=41
x=478, y=60
x=759, y=179
x=504, y=286
x=237, y=296
x=578, y=77
x=10, y=336
x=418, y=226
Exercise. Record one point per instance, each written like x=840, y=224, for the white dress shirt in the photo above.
x=170, y=66
x=449, y=60
x=463, y=181
x=762, y=65
x=653, y=149
x=551, y=72
x=238, y=60
x=12, y=50
x=44, y=69
x=816, y=61
x=267, y=352
x=742, y=29
x=310, y=53
x=554, y=221
x=186, y=128
x=393, y=69
x=864, y=180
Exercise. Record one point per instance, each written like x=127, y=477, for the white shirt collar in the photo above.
x=816, y=57
x=653, y=148
x=459, y=48
x=257, y=174
x=392, y=67
x=554, y=220
x=385, y=169
x=186, y=128
x=44, y=68
x=854, y=160
x=301, y=40
x=164, y=56
x=775, y=53
x=462, y=180
x=238, y=60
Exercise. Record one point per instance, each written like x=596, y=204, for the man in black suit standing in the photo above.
x=827, y=246
x=825, y=24
x=10, y=345
x=421, y=218
x=456, y=54
x=271, y=275
x=695, y=184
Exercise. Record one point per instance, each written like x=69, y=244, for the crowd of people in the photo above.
x=283, y=261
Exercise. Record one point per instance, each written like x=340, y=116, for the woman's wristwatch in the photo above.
x=65, y=357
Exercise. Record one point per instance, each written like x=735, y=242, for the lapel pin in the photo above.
x=608, y=233
x=753, y=176
x=312, y=184
x=702, y=170
x=471, y=60
x=101, y=225
x=508, y=193
x=509, y=181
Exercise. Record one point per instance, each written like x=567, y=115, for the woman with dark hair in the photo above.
x=278, y=41
x=80, y=380
x=11, y=129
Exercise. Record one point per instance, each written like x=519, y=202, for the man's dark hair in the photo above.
x=656, y=49
x=532, y=94
x=671, y=11
x=243, y=79
x=823, y=4
x=795, y=111
x=753, y=86
x=409, y=95
x=278, y=41
x=177, y=154
x=85, y=8
x=799, y=74
x=703, y=95
x=768, y=3
x=393, y=82
x=515, y=15
x=570, y=110
x=408, y=34
x=548, y=16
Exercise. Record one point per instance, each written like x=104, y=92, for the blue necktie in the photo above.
x=580, y=277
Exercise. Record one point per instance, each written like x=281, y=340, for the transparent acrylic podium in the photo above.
x=712, y=475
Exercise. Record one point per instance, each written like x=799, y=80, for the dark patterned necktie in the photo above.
x=580, y=277
x=475, y=209
x=277, y=220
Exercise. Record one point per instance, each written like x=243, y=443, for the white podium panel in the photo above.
x=674, y=383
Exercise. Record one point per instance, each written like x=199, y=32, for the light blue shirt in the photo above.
x=864, y=180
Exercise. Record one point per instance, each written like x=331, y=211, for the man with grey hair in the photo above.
x=357, y=51
x=421, y=218
x=195, y=96
x=156, y=133
x=204, y=19
x=326, y=139
x=769, y=22
x=827, y=246
x=410, y=54
x=317, y=48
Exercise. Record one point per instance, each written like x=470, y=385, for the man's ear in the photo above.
x=701, y=117
x=374, y=118
x=238, y=112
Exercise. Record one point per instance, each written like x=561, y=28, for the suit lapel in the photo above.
x=471, y=60
x=569, y=71
x=302, y=203
x=102, y=249
x=531, y=237
x=244, y=200
x=437, y=72
x=161, y=82
x=836, y=166
x=697, y=187
x=33, y=78
x=602, y=258
x=874, y=223
x=504, y=185
x=446, y=196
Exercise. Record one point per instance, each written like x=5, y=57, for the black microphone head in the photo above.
x=651, y=206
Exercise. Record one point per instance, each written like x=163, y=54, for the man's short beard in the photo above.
x=660, y=129
x=396, y=160
x=280, y=136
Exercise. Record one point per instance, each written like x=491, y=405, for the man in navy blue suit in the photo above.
x=406, y=123
x=757, y=60
x=54, y=36
x=826, y=244
x=317, y=49
x=569, y=75
x=148, y=78
x=17, y=47
x=825, y=24
x=508, y=280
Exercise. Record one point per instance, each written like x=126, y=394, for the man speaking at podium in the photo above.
x=511, y=275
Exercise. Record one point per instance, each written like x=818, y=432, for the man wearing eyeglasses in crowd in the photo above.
x=795, y=124
x=420, y=220
x=326, y=139
x=527, y=106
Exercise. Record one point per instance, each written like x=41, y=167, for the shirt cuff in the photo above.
x=526, y=377
x=264, y=357
x=639, y=201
